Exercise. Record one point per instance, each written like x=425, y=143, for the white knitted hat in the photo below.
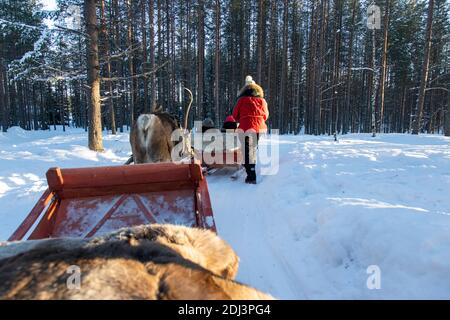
x=249, y=80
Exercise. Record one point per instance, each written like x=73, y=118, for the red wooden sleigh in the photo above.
x=85, y=202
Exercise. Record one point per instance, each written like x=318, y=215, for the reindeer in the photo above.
x=144, y=262
x=151, y=136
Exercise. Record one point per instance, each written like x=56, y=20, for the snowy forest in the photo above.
x=224, y=149
x=324, y=71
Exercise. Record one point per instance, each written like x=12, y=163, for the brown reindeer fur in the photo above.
x=203, y=247
x=150, y=137
x=147, y=262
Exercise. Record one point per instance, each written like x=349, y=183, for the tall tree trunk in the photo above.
x=173, y=70
x=151, y=21
x=319, y=60
x=348, y=110
x=201, y=54
x=373, y=85
x=160, y=49
x=336, y=65
x=34, y=103
x=284, y=72
x=145, y=108
x=425, y=68
x=169, y=98
x=241, y=34
x=2, y=99
x=298, y=104
x=261, y=25
x=311, y=70
x=93, y=70
x=131, y=48
x=403, y=107
x=112, y=117
x=384, y=65
x=118, y=65
x=217, y=64
x=447, y=120
x=272, y=66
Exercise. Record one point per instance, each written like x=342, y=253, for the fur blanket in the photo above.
x=145, y=262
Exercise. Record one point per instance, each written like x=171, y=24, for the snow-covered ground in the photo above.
x=310, y=231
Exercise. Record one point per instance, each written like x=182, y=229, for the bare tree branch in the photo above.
x=141, y=75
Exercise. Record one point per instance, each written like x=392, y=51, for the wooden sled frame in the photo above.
x=121, y=181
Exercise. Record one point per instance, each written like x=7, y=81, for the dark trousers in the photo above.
x=250, y=149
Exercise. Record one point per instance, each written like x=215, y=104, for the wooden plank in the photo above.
x=25, y=226
x=44, y=229
x=204, y=207
x=107, y=215
x=120, y=175
x=69, y=193
x=150, y=217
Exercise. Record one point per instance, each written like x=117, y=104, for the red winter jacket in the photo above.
x=251, y=112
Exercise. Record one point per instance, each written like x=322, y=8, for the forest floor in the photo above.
x=308, y=232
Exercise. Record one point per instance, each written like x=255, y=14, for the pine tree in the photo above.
x=93, y=68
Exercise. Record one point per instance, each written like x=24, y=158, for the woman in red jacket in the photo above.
x=251, y=112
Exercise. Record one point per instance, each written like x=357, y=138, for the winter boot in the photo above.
x=251, y=174
x=250, y=180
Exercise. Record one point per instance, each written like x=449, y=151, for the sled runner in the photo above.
x=220, y=155
x=84, y=202
x=223, y=159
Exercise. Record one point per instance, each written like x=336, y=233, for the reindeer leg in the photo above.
x=130, y=160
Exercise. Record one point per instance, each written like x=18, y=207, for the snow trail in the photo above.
x=309, y=232
x=335, y=208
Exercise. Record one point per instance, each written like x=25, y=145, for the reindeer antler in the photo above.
x=186, y=117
